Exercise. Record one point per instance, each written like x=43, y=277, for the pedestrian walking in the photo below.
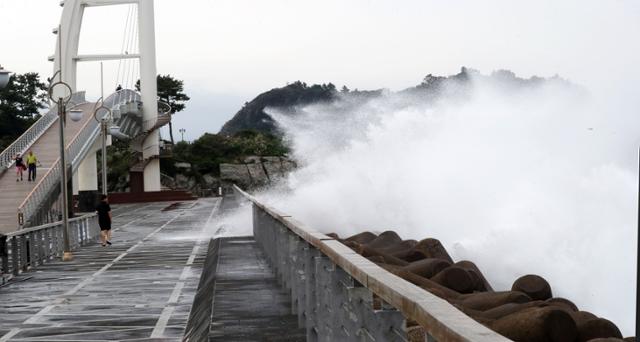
x=104, y=220
x=31, y=164
x=20, y=167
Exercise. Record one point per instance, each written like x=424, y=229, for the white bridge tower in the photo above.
x=67, y=58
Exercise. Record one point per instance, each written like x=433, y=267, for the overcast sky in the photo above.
x=228, y=51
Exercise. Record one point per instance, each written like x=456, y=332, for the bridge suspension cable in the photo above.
x=128, y=69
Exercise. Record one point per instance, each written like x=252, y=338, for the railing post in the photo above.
x=35, y=246
x=310, y=314
x=24, y=255
x=94, y=225
x=58, y=246
x=298, y=300
x=87, y=228
x=31, y=251
x=15, y=256
x=4, y=254
x=283, y=255
x=75, y=235
x=324, y=269
x=47, y=243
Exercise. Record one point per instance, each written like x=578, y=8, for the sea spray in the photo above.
x=521, y=177
x=234, y=221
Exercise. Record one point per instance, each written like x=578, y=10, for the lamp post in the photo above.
x=4, y=77
x=75, y=115
x=104, y=129
x=182, y=130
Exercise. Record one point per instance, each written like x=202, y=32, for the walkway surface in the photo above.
x=248, y=303
x=47, y=150
x=139, y=289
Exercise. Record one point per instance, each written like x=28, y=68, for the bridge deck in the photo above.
x=248, y=303
x=141, y=288
x=47, y=150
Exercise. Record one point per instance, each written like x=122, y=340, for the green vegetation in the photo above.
x=119, y=161
x=20, y=103
x=171, y=91
x=206, y=153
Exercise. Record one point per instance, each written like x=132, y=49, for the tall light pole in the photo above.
x=75, y=115
x=104, y=129
x=182, y=130
x=638, y=258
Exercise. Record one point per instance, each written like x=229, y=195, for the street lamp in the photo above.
x=4, y=77
x=182, y=130
x=74, y=115
x=104, y=129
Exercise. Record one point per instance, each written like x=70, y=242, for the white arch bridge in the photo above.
x=135, y=118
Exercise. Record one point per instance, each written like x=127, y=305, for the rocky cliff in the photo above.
x=256, y=171
x=252, y=116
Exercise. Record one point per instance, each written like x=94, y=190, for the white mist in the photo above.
x=542, y=180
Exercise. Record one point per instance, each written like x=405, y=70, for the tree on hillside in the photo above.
x=253, y=116
x=171, y=91
x=20, y=103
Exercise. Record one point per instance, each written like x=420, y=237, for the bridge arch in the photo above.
x=66, y=59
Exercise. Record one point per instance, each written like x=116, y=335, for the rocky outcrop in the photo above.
x=253, y=117
x=256, y=171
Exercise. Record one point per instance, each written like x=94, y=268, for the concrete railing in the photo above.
x=28, y=248
x=339, y=295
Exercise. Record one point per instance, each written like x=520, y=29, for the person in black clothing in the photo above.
x=104, y=219
x=3, y=246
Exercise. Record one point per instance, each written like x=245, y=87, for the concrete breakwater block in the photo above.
x=537, y=325
x=534, y=286
x=528, y=312
x=427, y=267
x=455, y=278
x=597, y=328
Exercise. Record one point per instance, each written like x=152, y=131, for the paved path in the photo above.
x=47, y=150
x=248, y=302
x=140, y=289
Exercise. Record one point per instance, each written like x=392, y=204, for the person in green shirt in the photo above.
x=31, y=164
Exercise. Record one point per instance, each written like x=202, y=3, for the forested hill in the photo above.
x=253, y=118
x=20, y=103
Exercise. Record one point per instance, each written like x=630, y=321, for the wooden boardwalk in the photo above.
x=47, y=150
x=139, y=289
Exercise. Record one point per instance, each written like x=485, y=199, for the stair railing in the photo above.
x=33, y=133
x=37, y=202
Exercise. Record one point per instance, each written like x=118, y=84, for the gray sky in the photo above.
x=228, y=51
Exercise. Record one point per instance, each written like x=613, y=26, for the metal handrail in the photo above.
x=29, y=248
x=76, y=151
x=439, y=320
x=33, y=133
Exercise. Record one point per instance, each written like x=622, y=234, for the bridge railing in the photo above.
x=22, y=144
x=339, y=295
x=32, y=247
x=34, y=210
